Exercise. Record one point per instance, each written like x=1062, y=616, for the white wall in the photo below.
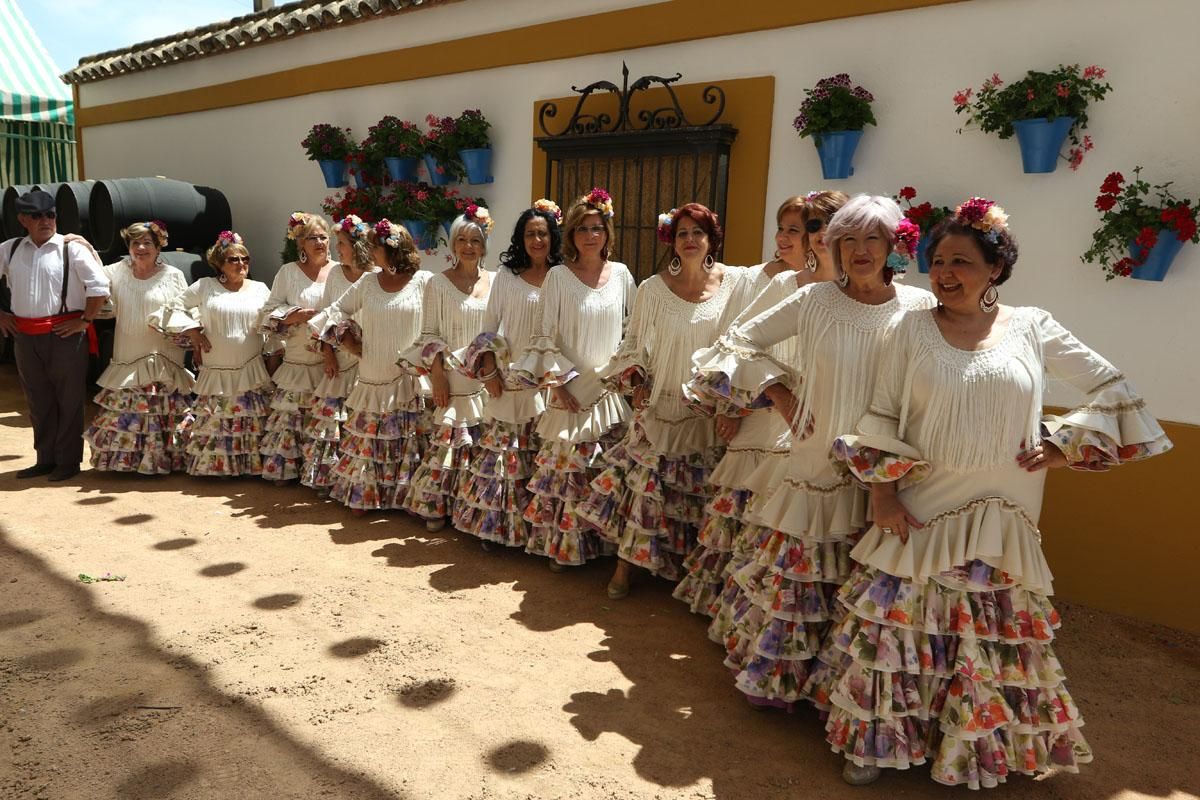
x=912, y=61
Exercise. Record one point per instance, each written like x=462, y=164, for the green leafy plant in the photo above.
x=393, y=137
x=1129, y=215
x=472, y=130
x=1063, y=92
x=834, y=104
x=326, y=142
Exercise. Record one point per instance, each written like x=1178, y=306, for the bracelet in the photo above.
x=488, y=376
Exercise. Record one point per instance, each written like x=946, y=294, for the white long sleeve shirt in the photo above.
x=35, y=276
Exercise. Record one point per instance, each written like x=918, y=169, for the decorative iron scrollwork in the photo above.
x=665, y=117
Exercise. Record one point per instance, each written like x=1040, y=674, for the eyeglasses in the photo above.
x=40, y=214
x=316, y=238
x=591, y=230
x=237, y=259
x=814, y=224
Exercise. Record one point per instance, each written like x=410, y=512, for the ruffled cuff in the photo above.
x=627, y=370
x=737, y=375
x=542, y=365
x=419, y=359
x=469, y=360
x=1114, y=428
x=172, y=321
x=878, y=459
x=273, y=322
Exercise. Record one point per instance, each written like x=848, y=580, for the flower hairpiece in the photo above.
x=600, y=200
x=228, y=239
x=808, y=198
x=983, y=215
x=908, y=237
x=664, y=225
x=548, y=207
x=159, y=229
x=353, y=226
x=295, y=223
x=388, y=233
x=480, y=216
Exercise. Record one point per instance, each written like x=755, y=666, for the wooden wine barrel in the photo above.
x=192, y=265
x=10, y=224
x=194, y=215
x=71, y=201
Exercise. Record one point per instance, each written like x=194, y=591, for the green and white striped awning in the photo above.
x=30, y=90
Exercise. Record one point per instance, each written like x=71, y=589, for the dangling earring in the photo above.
x=776, y=258
x=674, y=266
x=810, y=261
x=222, y=279
x=709, y=263
x=303, y=257
x=990, y=299
x=844, y=279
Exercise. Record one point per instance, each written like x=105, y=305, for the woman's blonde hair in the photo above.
x=137, y=230
x=310, y=223
x=216, y=254
x=580, y=209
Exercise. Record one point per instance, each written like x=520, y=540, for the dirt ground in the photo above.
x=264, y=644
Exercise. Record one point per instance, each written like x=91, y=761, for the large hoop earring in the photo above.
x=709, y=263
x=810, y=261
x=674, y=266
x=303, y=259
x=990, y=299
x=222, y=279
x=844, y=279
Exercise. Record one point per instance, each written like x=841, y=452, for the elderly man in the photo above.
x=58, y=288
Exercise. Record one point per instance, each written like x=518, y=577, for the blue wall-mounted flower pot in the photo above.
x=1041, y=141
x=334, y=172
x=478, y=162
x=438, y=176
x=1160, y=257
x=923, y=254
x=424, y=235
x=836, y=150
x=402, y=169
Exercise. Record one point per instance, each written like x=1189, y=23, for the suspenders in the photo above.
x=66, y=262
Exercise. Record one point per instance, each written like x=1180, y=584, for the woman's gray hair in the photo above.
x=462, y=224
x=863, y=213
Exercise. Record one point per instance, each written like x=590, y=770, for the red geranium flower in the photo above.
x=1147, y=238
x=1112, y=183
x=908, y=193
x=1105, y=202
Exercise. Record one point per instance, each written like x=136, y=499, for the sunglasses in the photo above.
x=40, y=214
x=237, y=259
x=814, y=224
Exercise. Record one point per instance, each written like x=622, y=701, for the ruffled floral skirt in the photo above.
x=650, y=505
x=444, y=471
x=493, y=498
x=379, y=456
x=226, y=436
x=141, y=430
x=959, y=670
x=731, y=603
x=564, y=471
x=284, y=438
x=705, y=566
x=322, y=437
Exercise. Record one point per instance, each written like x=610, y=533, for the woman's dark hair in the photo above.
x=404, y=258
x=515, y=257
x=707, y=222
x=1001, y=251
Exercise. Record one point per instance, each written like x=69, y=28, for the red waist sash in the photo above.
x=38, y=326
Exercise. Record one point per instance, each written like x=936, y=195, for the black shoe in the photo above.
x=64, y=473
x=36, y=471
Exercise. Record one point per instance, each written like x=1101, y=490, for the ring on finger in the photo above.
x=887, y=531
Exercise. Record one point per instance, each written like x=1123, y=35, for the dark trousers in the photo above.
x=53, y=371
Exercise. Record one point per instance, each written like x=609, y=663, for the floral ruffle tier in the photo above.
x=327, y=414
x=285, y=438
x=650, y=505
x=444, y=470
x=143, y=425
x=746, y=470
x=380, y=449
x=227, y=433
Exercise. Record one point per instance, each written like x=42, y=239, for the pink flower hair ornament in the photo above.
x=664, y=226
x=480, y=216
x=388, y=233
x=908, y=237
x=548, y=207
x=983, y=215
x=228, y=239
x=600, y=200
x=295, y=222
x=353, y=226
x=159, y=229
